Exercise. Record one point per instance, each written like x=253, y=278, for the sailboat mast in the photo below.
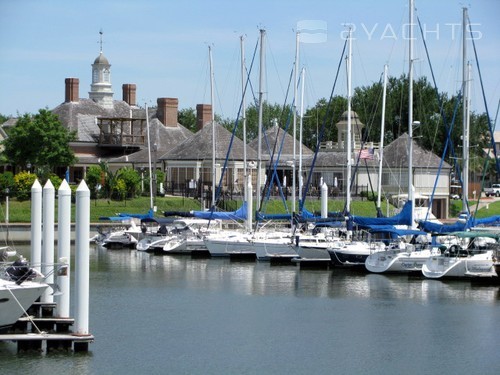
x=149, y=161
x=296, y=75
x=411, y=197
x=261, y=108
x=301, y=183
x=349, y=133
x=243, y=114
x=465, y=110
x=213, y=122
x=381, y=147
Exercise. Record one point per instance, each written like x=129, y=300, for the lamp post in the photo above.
x=29, y=167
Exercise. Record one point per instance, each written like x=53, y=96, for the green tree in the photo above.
x=3, y=118
x=131, y=179
x=6, y=182
x=187, y=118
x=94, y=178
x=41, y=141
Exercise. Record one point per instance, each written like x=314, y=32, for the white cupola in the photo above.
x=100, y=89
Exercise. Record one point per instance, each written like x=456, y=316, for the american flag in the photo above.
x=366, y=153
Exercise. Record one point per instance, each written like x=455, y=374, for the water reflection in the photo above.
x=262, y=279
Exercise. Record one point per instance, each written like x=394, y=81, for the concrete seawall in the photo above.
x=20, y=233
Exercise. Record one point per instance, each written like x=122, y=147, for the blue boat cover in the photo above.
x=150, y=213
x=458, y=226
x=393, y=230
x=402, y=218
x=239, y=214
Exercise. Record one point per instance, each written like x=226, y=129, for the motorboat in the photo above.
x=188, y=235
x=155, y=233
x=20, y=287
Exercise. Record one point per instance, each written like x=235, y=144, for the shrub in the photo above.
x=23, y=183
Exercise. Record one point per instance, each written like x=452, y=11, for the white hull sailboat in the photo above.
x=473, y=258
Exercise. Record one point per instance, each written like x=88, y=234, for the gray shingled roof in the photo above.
x=80, y=116
x=269, y=138
x=396, y=155
x=165, y=137
x=199, y=146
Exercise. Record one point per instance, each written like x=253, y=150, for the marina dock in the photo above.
x=42, y=331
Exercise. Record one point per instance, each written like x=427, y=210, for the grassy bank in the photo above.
x=20, y=212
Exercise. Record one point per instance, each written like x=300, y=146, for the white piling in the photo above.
x=249, y=202
x=82, y=230
x=324, y=200
x=48, y=198
x=36, y=226
x=64, y=249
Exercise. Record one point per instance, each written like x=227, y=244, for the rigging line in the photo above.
x=364, y=140
x=271, y=163
x=484, y=99
x=448, y=142
x=449, y=131
x=219, y=187
x=275, y=66
x=438, y=96
x=323, y=125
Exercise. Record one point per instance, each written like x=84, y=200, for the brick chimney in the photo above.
x=203, y=115
x=72, y=90
x=128, y=90
x=167, y=111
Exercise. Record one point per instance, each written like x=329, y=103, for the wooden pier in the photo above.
x=42, y=331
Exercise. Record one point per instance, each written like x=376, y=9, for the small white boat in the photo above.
x=473, y=258
x=155, y=233
x=188, y=235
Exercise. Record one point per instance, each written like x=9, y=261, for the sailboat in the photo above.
x=474, y=257
x=349, y=252
x=402, y=257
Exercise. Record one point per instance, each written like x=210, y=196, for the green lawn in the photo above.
x=20, y=212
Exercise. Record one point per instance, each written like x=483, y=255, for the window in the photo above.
x=106, y=75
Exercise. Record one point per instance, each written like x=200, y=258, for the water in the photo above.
x=177, y=315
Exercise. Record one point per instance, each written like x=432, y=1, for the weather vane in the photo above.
x=100, y=38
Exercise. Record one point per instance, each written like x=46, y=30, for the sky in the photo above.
x=162, y=47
